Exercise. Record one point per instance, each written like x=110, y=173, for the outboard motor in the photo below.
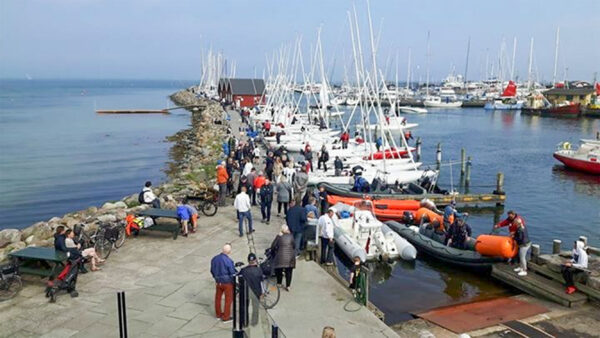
x=408, y=217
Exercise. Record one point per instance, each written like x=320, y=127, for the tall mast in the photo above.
x=556, y=56
x=408, y=71
x=512, y=68
x=467, y=63
x=529, y=74
x=427, y=83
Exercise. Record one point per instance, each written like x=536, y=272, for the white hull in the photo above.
x=412, y=110
x=437, y=104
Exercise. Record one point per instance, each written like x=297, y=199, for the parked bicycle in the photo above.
x=106, y=237
x=207, y=202
x=10, y=281
x=271, y=291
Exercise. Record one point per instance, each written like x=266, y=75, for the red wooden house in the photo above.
x=242, y=92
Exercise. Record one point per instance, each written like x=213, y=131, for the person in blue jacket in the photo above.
x=223, y=271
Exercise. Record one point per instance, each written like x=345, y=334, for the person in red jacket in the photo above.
x=222, y=178
x=345, y=138
x=259, y=181
x=513, y=221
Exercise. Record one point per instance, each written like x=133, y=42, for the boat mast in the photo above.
x=427, y=80
x=408, y=72
x=556, y=56
x=529, y=75
x=467, y=63
x=512, y=68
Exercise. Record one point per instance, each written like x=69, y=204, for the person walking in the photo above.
x=326, y=225
x=266, y=200
x=284, y=261
x=243, y=206
x=300, y=184
x=296, y=221
x=277, y=169
x=251, y=190
x=284, y=194
x=223, y=271
x=323, y=158
x=222, y=179
x=338, y=165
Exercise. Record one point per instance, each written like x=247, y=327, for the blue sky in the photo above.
x=164, y=39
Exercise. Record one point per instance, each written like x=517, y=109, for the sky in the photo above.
x=150, y=39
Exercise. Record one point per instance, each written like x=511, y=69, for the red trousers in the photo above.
x=221, y=289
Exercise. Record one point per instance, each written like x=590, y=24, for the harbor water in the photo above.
x=556, y=203
x=57, y=155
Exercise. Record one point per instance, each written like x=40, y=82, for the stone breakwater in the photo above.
x=192, y=166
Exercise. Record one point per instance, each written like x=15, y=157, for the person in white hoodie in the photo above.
x=575, y=266
x=149, y=197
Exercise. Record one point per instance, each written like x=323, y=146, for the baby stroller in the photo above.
x=66, y=280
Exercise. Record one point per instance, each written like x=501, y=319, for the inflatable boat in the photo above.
x=389, y=192
x=358, y=233
x=481, y=253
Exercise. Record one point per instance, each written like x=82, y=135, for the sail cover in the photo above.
x=510, y=90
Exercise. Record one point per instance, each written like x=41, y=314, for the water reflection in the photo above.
x=583, y=183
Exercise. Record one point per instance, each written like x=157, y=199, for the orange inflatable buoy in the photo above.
x=432, y=216
x=497, y=246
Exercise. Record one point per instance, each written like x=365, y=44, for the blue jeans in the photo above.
x=241, y=216
x=265, y=209
x=298, y=241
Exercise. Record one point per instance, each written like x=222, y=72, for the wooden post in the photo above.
x=584, y=240
x=468, y=172
x=535, y=252
x=598, y=135
x=463, y=163
x=499, y=184
x=418, y=149
x=438, y=156
x=556, y=246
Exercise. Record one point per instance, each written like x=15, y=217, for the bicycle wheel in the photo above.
x=209, y=208
x=9, y=287
x=102, y=245
x=270, y=294
x=121, y=238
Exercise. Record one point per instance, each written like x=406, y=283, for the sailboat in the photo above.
x=508, y=100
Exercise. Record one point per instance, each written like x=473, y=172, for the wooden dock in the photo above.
x=538, y=285
x=133, y=111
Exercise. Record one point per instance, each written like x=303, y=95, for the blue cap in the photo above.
x=219, y=162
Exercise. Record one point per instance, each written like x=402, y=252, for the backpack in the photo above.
x=141, y=197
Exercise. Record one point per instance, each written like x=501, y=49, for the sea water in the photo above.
x=57, y=155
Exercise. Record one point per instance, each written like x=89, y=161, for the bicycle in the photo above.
x=207, y=202
x=271, y=291
x=10, y=281
x=103, y=239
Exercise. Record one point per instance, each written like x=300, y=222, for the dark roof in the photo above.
x=245, y=86
x=569, y=91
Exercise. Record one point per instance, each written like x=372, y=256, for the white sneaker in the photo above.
x=522, y=273
x=517, y=269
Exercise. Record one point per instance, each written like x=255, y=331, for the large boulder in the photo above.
x=15, y=246
x=30, y=229
x=109, y=206
x=69, y=222
x=9, y=236
x=108, y=218
x=43, y=230
x=29, y=239
x=91, y=211
x=121, y=205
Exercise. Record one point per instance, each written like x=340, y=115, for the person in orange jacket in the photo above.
x=222, y=178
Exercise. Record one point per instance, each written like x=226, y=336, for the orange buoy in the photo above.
x=497, y=246
x=432, y=216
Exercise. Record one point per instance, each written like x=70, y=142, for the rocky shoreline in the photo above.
x=193, y=155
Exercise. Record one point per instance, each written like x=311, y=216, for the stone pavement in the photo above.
x=169, y=292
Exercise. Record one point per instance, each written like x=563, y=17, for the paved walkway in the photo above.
x=169, y=292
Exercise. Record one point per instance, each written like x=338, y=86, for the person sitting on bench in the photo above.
x=60, y=238
x=148, y=196
x=86, y=253
x=575, y=266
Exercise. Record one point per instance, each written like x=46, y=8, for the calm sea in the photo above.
x=57, y=155
x=556, y=203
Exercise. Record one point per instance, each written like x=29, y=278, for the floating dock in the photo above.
x=134, y=111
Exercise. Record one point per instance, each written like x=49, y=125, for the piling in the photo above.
x=499, y=184
x=438, y=156
x=463, y=163
x=556, y=246
x=535, y=253
x=598, y=135
x=468, y=172
x=418, y=149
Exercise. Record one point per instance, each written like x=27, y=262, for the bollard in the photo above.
x=468, y=172
x=556, y=246
x=584, y=240
x=463, y=163
x=535, y=253
x=438, y=156
x=598, y=135
x=274, y=331
x=499, y=184
x=122, y=311
x=418, y=149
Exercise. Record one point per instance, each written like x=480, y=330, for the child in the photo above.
x=354, y=273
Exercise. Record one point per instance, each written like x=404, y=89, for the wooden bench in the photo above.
x=162, y=213
x=537, y=285
x=44, y=262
